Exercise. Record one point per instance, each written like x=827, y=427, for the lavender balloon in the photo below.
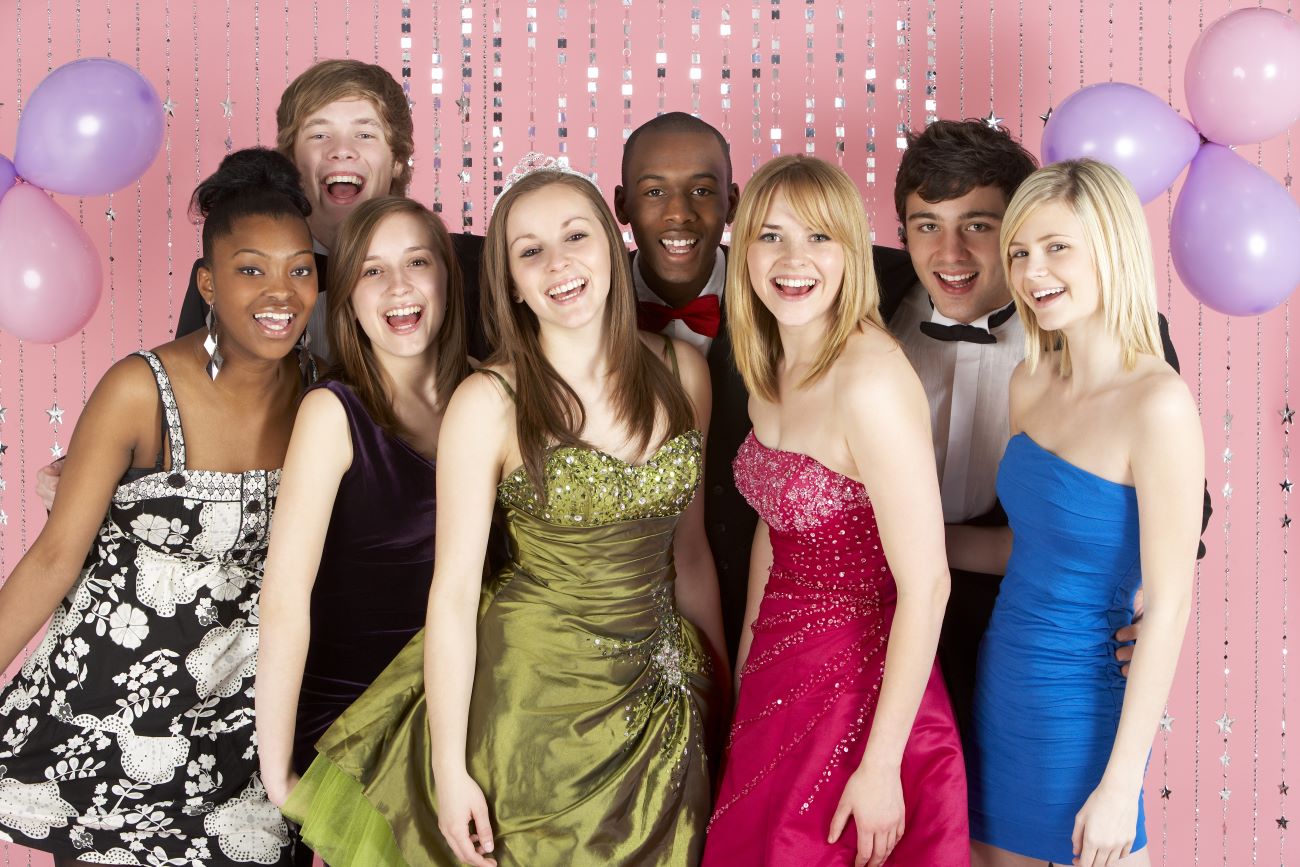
x=1235, y=235
x=1123, y=125
x=7, y=175
x=91, y=127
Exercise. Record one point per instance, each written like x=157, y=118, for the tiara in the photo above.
x=533, y=162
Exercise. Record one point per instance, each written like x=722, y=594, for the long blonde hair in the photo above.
x=353, y=355
x=548, y=412
x=1115, y=229
x=824, y=198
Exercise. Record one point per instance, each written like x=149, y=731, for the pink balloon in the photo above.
x=1235, y=235
x=1243, y=76
x=50, y=276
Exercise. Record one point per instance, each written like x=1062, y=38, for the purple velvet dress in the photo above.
x=372, y=587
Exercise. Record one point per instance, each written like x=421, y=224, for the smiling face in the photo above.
x=261, y=282
x=795, y=269
x=677, y=197
x=343, y=154
x=1052, y=268
x=401, y=294
x=954, y=250
x=558, y=256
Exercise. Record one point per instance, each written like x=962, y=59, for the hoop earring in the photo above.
x=215, y=360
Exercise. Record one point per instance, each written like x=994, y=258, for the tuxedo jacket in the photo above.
x=467, y=248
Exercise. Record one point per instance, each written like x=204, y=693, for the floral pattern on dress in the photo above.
x=128, y=737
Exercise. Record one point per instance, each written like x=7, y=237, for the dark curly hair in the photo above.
x=249, y=182
x=949, y=158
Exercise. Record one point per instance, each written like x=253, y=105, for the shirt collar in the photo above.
x=714, y=287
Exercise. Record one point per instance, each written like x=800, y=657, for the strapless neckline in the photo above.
x=807, y=457
x=1073, y=466
x=522, y=472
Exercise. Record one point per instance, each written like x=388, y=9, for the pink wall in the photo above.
x=1015, y=58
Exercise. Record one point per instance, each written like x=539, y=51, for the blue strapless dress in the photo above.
x=1049, y=690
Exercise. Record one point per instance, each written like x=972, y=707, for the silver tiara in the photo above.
x=533, y=162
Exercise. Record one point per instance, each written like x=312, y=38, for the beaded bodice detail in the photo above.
x=586, y=487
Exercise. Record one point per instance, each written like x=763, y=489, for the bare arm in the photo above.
x=471, y=452
x=697, y=578
x=320, y=452
x=1168, y=462
x=123, y=405
x=887, y=425
x=760, y=566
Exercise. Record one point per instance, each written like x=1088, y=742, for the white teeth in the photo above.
x=957, y=278
x=404, y=311
x=356, y=180
x=284, y=317
x=1040, y=294
x=795, y=282
x=678, y=243
x=566, y=287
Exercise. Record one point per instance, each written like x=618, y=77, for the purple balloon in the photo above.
x=1235, y=235
x=1123, y=125
x=91, y=127
x=7, y=175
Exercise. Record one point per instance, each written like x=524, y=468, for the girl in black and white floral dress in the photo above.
x=128, y=736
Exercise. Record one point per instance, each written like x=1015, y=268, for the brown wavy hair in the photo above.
x=548, y=413
x=332, y=80
x=353, y=355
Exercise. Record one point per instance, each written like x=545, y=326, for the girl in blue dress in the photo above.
x=1102, y=482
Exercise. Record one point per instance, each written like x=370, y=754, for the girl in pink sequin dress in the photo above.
x=844, y=749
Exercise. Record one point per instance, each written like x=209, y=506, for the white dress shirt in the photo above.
x=677, y=328
x=966, y=385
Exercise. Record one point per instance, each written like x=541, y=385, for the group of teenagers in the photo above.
x=571, y=556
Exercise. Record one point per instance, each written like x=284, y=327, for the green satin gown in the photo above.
x=591, y=693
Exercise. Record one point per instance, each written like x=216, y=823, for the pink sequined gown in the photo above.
x=809, y=687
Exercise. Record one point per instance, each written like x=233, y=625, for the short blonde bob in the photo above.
x=1115, y=230
x=823, y=198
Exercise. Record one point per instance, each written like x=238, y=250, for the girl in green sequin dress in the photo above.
x=565, y=723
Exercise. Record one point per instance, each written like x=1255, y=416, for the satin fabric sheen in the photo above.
x=590, y=700
x=373, y=582
x=809, y=688
x=1049, y=689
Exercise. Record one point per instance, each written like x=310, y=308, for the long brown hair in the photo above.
x=548, y=412
x=825, y=199
x=353, y=356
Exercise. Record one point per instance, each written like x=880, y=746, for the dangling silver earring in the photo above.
x=210, y=346
x=306, y=364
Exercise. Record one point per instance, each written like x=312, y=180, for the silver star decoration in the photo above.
x=55, y=413
x=111, y=214
x=1045, y=116
x=227, y=107
x=229, y=143
x=56, y=450
x=1166, y=722
x=1225, y=723
x=1282, y=822
x=1227, y=456
x=1225, y=793
x=1286, y=521
x=1227, y=490
x=169, y=107
x=1227, y=420
x=1283, y=788
x=3, y=409
x=1285, y=484
x=3, y=448
x=4, y=519
x=1287, y=414
x=3, y=484
x=992, y=121
x=463, y=103
x=1225, y=760
x=1165, y=792
x=1287, y=180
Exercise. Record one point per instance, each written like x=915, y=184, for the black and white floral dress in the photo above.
x=128, y=736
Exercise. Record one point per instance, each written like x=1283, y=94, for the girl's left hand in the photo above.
x=875, y=801
x=1104, y=828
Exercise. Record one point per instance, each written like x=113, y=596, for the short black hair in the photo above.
x=249, y=182
x=675, y=121
x=949, y=158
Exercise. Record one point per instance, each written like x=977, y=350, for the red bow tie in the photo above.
x=702, y=315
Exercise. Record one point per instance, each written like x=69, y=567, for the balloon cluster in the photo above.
x=1235, y=233
x=91, y=127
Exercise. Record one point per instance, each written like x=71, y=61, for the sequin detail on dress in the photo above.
x=811, y=683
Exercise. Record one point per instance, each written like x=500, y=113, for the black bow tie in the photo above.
x=969, y=333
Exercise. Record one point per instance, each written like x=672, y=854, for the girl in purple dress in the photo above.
x=844, y=749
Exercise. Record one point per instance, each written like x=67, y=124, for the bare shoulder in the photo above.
x=129, y=386
x=483, y=394
x=321, y=409
x=874, y=368
x=1157, y=397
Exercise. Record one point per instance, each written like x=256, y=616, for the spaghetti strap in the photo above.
x=671, y=352
x=501, y=380
x=171, y=416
